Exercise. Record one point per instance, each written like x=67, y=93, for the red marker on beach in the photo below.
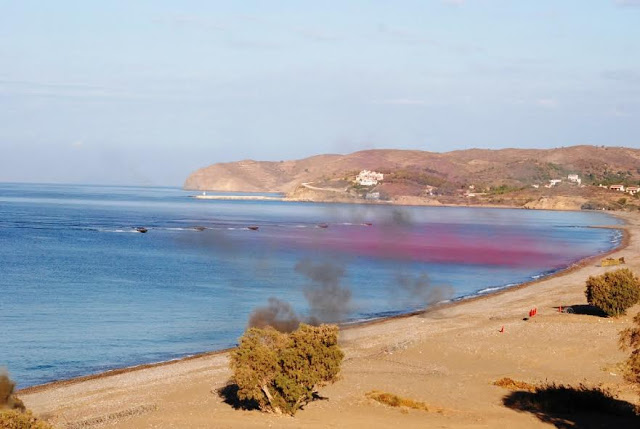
x=502, y=329
x=560, y=309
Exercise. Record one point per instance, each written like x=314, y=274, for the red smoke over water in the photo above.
x=441, y=244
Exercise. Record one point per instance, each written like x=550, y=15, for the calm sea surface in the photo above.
x=81, y=291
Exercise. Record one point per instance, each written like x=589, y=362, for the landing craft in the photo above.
x=141, y=229
x=253, y=228
x=323, y=225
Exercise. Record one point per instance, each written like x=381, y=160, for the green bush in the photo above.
x=281, y=371
x=613, y=292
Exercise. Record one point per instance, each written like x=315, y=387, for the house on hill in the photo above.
x=574, y=178
x=619, y=188
x=369, y=178
x=632, y=190
x=553, y=183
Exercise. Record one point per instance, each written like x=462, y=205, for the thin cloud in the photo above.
x=547, y=103
x=619, y=113
x=316, y=35
x=627, y=3
x=63, y=90
x=409, y=37
x=405, y=36
x=402, y=102
x=190, y=21
x=75, y=90
x=251, y=44
x=27, y=83
x=626, y=76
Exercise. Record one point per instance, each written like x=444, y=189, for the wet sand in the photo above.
x=447, y=357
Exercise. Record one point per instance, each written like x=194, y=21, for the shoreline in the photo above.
x=448, y=357
x=237, y=197
x=623, y=244
x=416, y=203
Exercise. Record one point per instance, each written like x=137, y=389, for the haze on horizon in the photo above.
x=146, y=92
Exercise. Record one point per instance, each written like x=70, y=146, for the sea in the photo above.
x=82, y=291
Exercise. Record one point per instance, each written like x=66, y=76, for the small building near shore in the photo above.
x=632, y=190
x=372, y=196
x=619, y=188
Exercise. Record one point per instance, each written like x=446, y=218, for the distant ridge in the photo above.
x=503, y=167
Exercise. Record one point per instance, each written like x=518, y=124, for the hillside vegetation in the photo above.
x=503, y=176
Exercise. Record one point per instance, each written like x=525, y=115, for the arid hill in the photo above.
x=411, y=170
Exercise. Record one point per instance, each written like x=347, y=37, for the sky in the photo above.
x=145, y=92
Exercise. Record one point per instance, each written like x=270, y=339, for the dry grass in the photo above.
x=608, y=262
x=396, y=401
x=508, y=383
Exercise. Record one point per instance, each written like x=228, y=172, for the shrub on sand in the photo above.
x=13, y=419
x=13, y=414
x=613, y=292
x=630, y=340
x=281, y=371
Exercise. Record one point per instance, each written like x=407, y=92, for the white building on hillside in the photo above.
x=369, y=178
x=429, y=190
x=574, y=178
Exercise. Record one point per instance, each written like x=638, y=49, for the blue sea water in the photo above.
x=82, y=292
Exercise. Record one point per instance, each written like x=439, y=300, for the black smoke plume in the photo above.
x=419, y=291
x=329, y=301
x=8, y=401
x=277, y=314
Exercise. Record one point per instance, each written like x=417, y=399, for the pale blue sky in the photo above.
x=144, y=92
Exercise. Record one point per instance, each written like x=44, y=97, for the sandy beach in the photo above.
x=448, y=357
